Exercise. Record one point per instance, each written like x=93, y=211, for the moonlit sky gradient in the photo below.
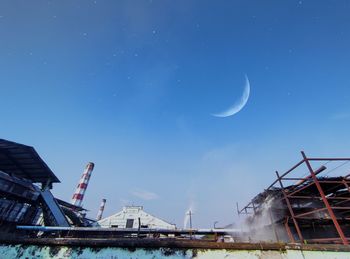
x=130, y=86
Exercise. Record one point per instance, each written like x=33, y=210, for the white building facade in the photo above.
x=129, y=218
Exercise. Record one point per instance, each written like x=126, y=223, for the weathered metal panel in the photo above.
x=52, y=208
x=33, y=251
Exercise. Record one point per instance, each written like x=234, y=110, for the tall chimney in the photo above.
x=78, y=196
x=100, y=211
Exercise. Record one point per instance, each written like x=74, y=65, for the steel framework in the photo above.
x=312, y=199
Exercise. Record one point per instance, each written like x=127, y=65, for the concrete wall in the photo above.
x=34, y=251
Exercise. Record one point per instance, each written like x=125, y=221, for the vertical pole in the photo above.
x=288, y=231
x=190, y=214
x=273, y=225
x=138, y=229
x=290, y=209
x=325, y=201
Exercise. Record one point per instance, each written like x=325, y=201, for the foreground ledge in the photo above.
x=135, y=243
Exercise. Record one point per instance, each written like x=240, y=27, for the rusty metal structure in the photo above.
x=25, y=183
x=309, y=208
x=25, y=192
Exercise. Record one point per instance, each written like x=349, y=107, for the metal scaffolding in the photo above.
x=315, y=208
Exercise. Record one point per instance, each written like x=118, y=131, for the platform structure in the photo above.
x=310, y=202
x=25, y=184
x=162, y=248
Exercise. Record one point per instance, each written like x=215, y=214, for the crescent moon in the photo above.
x=238, y=105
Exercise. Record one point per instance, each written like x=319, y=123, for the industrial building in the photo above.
x=27, y=206
x=134, y=217
x=304, y=212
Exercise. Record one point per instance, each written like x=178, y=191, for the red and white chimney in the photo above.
x=100, y=211
x=78, y=196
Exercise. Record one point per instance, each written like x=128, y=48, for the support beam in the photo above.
x=325, y=201
x=290, y=235
x=290, y=209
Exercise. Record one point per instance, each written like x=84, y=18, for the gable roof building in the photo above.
x=129, y=218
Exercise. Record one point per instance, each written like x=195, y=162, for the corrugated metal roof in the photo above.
x=23, y=161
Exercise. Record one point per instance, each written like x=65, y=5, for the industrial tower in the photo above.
x=78, y=196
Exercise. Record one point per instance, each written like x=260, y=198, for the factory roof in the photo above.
x=127, y=218
x=23, y=161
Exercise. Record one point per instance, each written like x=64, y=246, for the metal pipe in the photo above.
x=290, y=170
x=132, y=230
x=319, y=170
x=328, y=159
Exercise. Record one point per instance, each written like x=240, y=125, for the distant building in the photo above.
x=129, y=218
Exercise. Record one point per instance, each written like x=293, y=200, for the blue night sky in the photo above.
x=131, y=86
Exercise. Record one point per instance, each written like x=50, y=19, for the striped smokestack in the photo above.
x=78, y=196
x=100, y=211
